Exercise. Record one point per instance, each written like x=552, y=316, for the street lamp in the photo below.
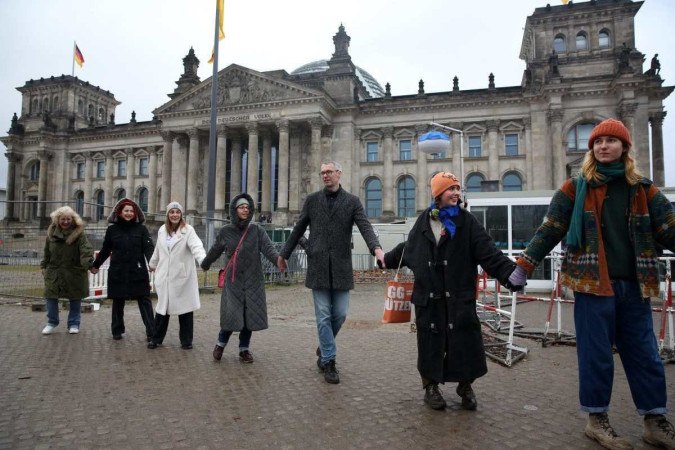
x=434, y=142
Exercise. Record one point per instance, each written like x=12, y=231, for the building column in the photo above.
x=178, y=170
x=266, y=196
x=281, y=214
x=235, y=173
x=152, y=182
x=252, y=163
x=315, y=153
x=627, y=116
x=455, y=147
x=529, y=160
x=44, y=156
x=13, y=159
x=192, y=172
x=493, y=150
x=168, y=138
x=656, y=120
x=295, y=172
x=388, y=175
x=131, y=169
x=109, y=163
x=559, y=171
x=88, y=173
x=423, y=195
x=221, y=172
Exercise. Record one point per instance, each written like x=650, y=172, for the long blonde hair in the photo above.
x=589, y=167
x=66, y=211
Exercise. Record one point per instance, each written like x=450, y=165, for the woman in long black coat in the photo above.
x=129, y=246
x=443, y=249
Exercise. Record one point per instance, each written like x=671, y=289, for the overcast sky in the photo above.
x=135, y=48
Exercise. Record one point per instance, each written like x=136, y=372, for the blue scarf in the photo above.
x=575, y=236
x=444, y=215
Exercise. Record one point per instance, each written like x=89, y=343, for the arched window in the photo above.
x=582, y=41
x=577, y=137
x=603, y=39
x=35, y=171
x=90, y=111
x=45, y=104
x=36, y=107
x=55, y=104
x=100, y=205
x=143, y=199
x=559, y=44
x=101, y=115
x=473, y=182
x=121, y=194
x=512, y=182
x=80, y=106
x=406, y=197
x=373, y=197
x=79, y=203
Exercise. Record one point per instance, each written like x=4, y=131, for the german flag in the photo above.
x=79, y=57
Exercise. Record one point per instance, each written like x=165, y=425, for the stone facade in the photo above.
x=581, y=67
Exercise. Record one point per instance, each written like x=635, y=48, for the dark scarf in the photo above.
x=575, y=235
x=444, y=215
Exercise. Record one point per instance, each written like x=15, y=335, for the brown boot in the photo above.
x=599, y=429
x=659, y=432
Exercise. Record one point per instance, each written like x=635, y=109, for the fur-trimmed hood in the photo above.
x=114, y=215
x=233, y=210
x=55, y=232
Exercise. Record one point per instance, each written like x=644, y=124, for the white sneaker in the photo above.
x=73, y=330
x=49, y=329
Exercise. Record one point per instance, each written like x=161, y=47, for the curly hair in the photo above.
x=66, y=211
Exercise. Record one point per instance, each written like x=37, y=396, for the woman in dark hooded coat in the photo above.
x=129, y=246
x=243, y=306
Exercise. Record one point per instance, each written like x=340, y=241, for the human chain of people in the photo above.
x=613, y=219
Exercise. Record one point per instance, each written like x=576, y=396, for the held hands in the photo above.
x=379, y=254
x=93, y=270
x=281, y=264
x=517, y=279
x=151, y=269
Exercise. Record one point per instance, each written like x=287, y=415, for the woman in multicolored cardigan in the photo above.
x=614, y=219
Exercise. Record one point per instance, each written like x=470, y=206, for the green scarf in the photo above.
x=575, y=235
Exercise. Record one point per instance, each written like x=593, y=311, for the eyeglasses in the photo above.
x=327, y=173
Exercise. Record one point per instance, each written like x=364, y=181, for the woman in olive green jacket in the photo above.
x=68, y=255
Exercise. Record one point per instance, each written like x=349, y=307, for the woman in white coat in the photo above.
x=173, y=262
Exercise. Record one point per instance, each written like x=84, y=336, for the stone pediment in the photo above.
x=238, y=86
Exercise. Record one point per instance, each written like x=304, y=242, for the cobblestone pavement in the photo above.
x=86, y=390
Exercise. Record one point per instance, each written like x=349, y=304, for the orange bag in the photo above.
x=397, y=301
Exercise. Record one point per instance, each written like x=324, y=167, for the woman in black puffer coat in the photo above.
x=129, y=246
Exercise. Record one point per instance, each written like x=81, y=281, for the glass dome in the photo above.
x=372, y=86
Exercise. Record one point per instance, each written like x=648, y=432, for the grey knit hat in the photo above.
x=241, y=201
x=174, y=205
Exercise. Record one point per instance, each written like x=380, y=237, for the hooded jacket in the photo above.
x=68, y=256
x=129, y=246
x=243, y=302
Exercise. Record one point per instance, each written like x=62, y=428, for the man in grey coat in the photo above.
x=330, y=214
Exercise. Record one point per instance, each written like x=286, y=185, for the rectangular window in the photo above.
x=100, y=169
x=474, y=146
x=371, y=151
x=405, y=150
x=79, y=171
x=143, y=166
x=511, y=145
x=122, y=168
x=495, y=221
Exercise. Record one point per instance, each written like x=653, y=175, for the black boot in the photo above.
x=468, y=397
x=433, y=397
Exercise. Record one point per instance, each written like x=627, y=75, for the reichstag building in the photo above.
x=275, y=128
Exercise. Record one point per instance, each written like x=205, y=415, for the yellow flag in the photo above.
x=563, y=1
x=221, y=13
x=213, y=56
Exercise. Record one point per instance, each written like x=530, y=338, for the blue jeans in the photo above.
x=244, y=338
x=624, y=320
x=73, y=312
x=330, y=308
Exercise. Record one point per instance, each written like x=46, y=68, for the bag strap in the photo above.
x=399, y=264
x=233, y=260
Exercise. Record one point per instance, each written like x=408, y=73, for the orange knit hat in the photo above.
x=441, y=182
x=610, y=127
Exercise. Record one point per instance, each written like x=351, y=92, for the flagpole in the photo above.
x=210, y=192
x=72, y=69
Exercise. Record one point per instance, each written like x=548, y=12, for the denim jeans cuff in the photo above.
x=594, y=409
x=653, y=411
x=242, y=349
